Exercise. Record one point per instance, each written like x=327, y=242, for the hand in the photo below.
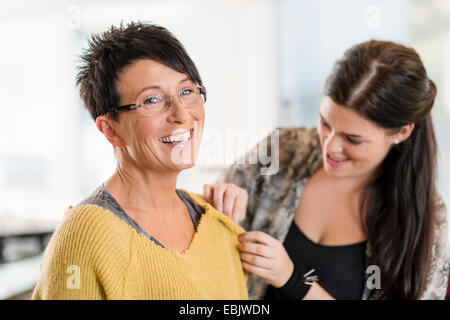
x=227, y=198
x=267, y=258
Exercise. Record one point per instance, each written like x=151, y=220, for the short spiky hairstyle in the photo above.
x=108, y=53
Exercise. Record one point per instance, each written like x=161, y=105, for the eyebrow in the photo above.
x=344, y=133
x=158, y=87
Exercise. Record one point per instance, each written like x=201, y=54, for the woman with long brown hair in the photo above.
x=353, y=211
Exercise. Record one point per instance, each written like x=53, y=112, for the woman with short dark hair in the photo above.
x=137, y=236
x=353, y=211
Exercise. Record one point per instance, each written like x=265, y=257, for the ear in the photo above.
x=105, y=125
x=404, y=133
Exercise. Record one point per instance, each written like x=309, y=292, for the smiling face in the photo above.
x=163, y=137
x=352, y=145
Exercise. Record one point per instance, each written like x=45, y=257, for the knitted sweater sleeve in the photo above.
x=77, y=263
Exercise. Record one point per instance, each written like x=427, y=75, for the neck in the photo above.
x=144, y=191
x=352, y=186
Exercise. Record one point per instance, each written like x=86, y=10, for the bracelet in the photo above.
x=310, y=279
x=299, y=283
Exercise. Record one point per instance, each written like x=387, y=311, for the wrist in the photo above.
x=299, y=283
x=281, y=281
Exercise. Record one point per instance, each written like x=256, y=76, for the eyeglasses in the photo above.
x=189, y=97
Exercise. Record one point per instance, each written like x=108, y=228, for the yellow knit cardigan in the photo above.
x=95, y=255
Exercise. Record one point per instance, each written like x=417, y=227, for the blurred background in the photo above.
x=264, y=63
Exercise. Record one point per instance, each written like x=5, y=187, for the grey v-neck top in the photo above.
x=102, y=198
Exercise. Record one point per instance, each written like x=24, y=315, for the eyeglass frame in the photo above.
x=134, y=106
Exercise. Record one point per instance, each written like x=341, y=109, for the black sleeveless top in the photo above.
x=340, y=269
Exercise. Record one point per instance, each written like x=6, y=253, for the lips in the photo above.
x=177, y=137
x=335, y=161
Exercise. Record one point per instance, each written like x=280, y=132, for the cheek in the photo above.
x=199, y=122
x=148, y=127
x=198, y=114
x=368, y=156
x=359, y=153
x=145, y=133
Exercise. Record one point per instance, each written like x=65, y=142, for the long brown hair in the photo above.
x=387, y=83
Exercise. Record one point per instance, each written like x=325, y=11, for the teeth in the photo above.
x=177, y=139
x=337, y=160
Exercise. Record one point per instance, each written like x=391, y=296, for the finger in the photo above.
x=256, y=249
x=228, y=204
x=260, y=272
x=257, y=236
x=240, y=208
x=207, y=192
x=256, y=260
x=218, y=196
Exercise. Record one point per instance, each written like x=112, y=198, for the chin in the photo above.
x=337, y=172
x=333, y=173
x=186, y=166
x=182, y=158
x=182, y=163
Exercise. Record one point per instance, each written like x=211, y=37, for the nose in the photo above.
x=177, y=112
x=333, y=144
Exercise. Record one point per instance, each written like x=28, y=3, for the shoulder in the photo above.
x=440, y=221
x=437, y=283
x=89, y=218
x=88, y=230
x=298, y=136
x=440, y=207
x=290, y=140
x=88, y=236
x=222, y=219
x=89, y=246
x=296, y=151
x=299, y=146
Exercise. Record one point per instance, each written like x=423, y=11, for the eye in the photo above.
x=324, y=123
x=353, y=141
x=186, y=92
x=152, y=100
